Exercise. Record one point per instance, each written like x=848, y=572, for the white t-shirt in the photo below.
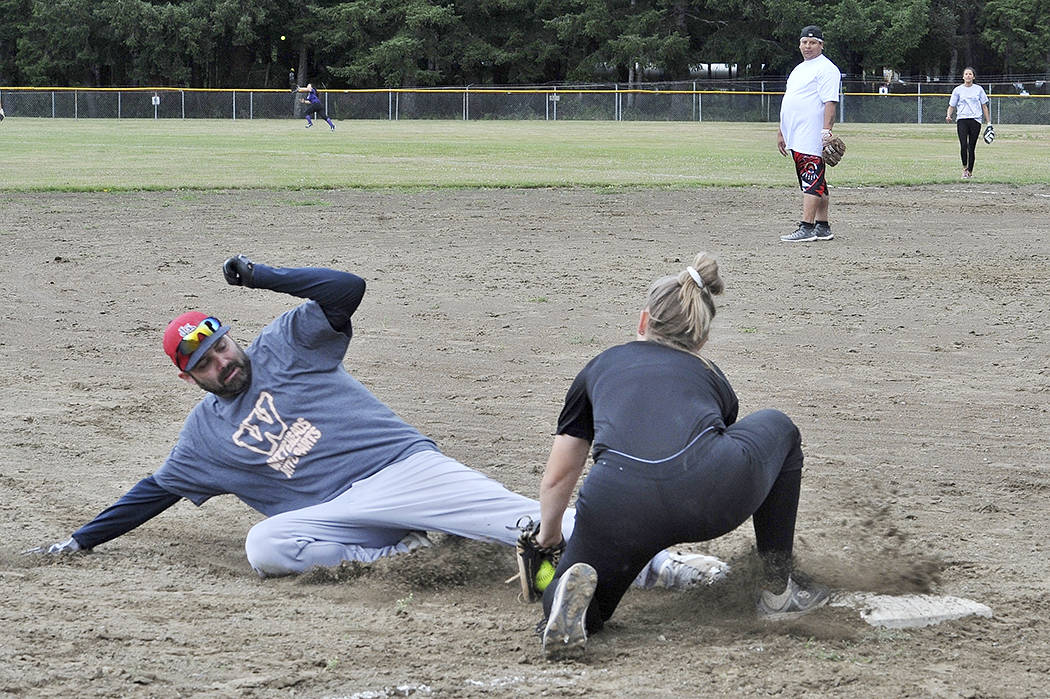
x=810, y=85
x=968, y=101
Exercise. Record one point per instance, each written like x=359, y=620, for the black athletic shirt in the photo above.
x=647, y=400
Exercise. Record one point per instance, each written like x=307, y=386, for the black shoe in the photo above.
x=823, y=231
x=566, y=632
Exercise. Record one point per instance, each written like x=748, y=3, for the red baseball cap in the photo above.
x=190, y=336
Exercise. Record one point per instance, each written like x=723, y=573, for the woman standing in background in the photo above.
x=969, y=99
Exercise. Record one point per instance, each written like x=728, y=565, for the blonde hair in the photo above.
x=680, y=310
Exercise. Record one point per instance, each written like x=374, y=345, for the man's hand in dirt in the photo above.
x=68, y=546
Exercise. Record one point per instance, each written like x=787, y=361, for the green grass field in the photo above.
x=99, y=155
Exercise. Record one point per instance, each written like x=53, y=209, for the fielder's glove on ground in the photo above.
x=68, y=546
x=238, y=271
x=989, y=133
x=834, y=149
x=536, y=563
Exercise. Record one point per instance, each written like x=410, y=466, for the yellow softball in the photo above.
x=544, y=575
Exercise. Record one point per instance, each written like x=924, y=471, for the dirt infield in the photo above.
x=912, y=351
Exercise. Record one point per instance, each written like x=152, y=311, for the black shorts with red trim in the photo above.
x=810, y=170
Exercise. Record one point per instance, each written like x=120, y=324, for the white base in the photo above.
x=908, y=611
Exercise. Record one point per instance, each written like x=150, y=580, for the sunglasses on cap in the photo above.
x=192, y=340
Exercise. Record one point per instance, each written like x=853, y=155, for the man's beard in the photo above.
x=234, y=388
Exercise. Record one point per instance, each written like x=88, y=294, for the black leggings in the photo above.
x=628, y=511
x=315, y=109
x=969, y=131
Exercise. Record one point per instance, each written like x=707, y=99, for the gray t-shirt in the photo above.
x=303, y=432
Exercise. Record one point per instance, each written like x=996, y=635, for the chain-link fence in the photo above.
x=656, y=102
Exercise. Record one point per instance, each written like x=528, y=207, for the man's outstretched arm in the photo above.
x=338, y=293
x=143, y=502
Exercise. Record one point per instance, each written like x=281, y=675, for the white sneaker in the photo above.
x=413, y=541
x=566, y=631
x=682, y=571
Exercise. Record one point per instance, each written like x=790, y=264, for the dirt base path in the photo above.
x=912, y=351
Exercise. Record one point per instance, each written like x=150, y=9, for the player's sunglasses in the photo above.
x=192, y=340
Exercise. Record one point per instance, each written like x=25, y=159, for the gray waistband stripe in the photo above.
x=669, y=458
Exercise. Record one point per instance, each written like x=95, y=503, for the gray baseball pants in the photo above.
x=427, y=491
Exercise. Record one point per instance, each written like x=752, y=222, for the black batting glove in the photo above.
x=238, y=271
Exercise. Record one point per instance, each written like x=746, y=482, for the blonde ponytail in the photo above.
x=681, y=306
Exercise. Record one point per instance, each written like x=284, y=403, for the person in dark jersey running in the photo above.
x=672, y=464
x=284, y=427
x=313, y=106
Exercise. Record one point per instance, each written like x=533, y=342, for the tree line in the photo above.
x=418, y=43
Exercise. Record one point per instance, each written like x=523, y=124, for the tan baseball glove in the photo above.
x=834, y=149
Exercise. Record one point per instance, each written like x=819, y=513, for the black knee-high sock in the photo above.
x=774, y=523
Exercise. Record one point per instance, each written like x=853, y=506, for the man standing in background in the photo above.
x=807, y=114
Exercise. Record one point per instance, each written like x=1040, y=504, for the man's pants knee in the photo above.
x=270, y=554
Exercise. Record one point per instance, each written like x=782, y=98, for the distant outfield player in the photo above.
x=313, y=106
x=807, y=114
